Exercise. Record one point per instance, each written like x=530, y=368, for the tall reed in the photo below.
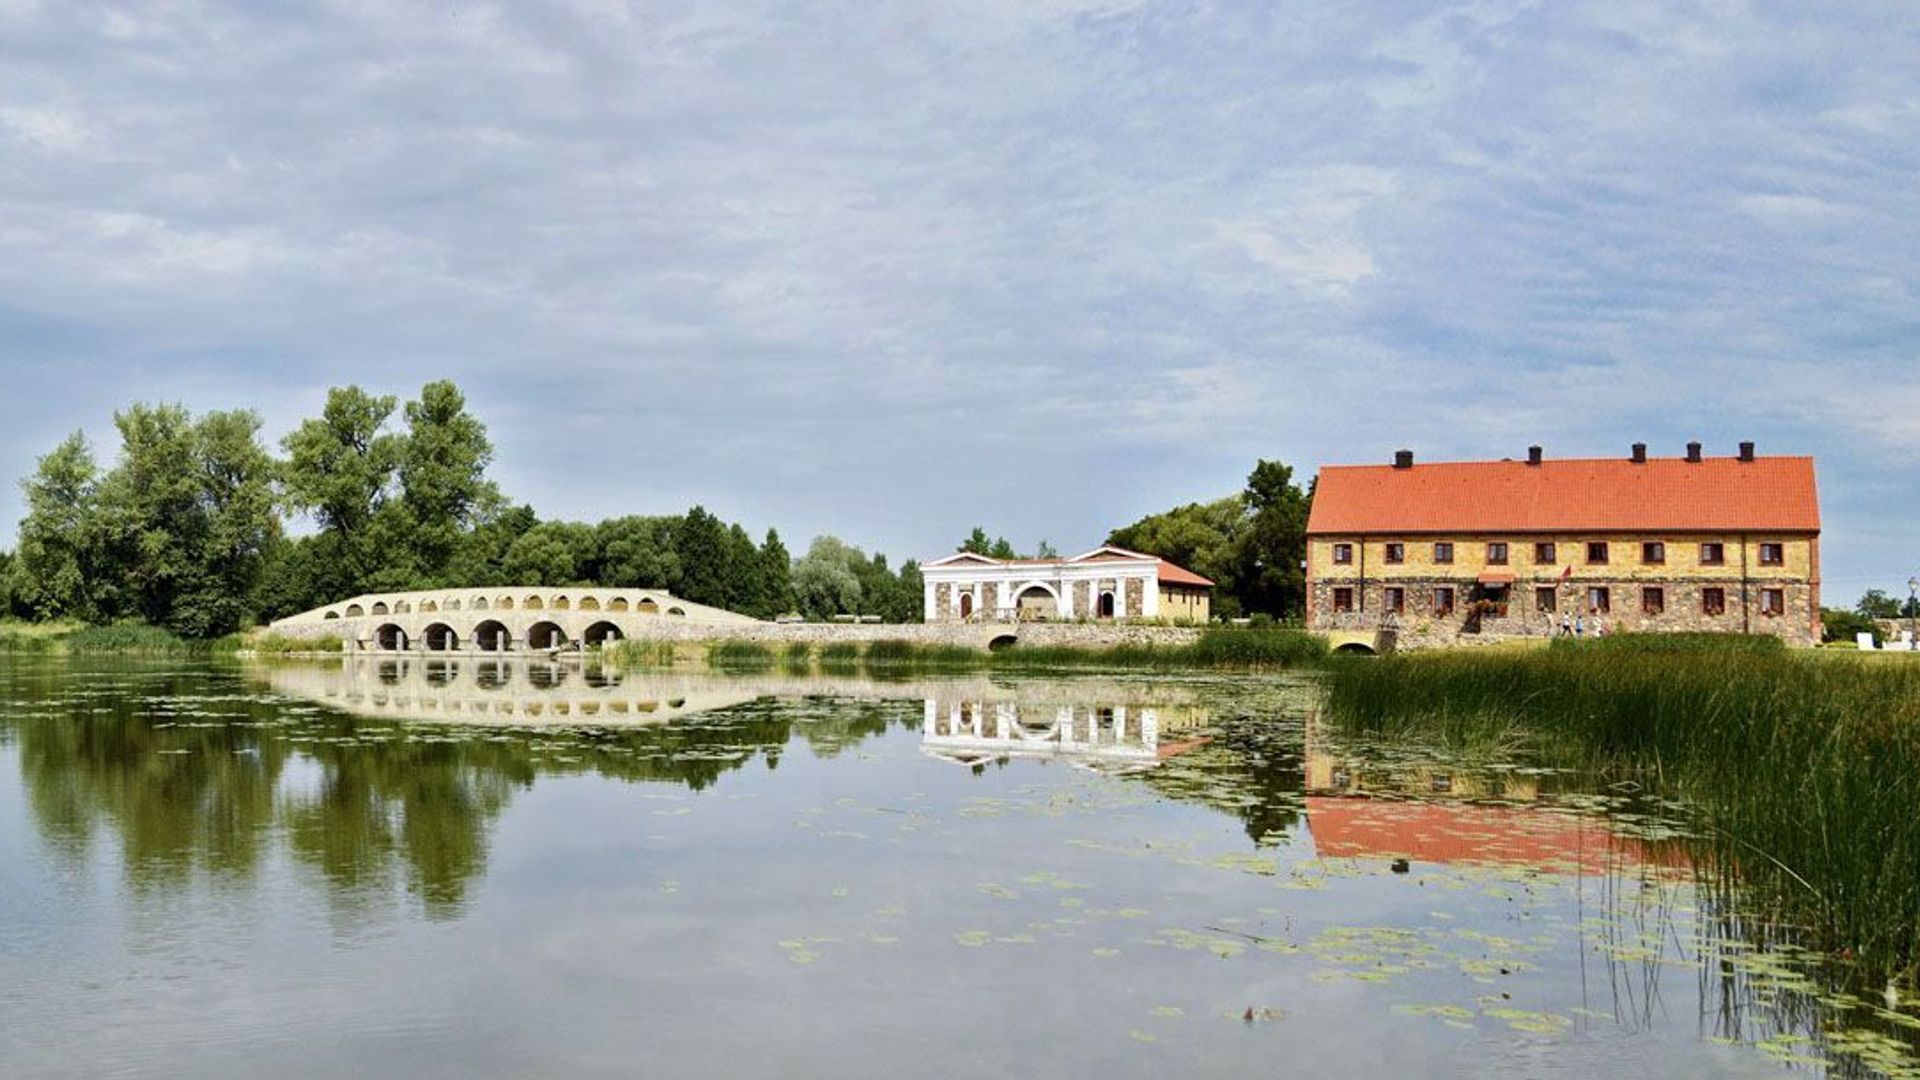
x=1804, y=769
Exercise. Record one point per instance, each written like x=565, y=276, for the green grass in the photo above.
x=640, y=653
x=119, y=639
x=740, y=656
x=1803, y=768
x=1215, y=650
x=281, y=645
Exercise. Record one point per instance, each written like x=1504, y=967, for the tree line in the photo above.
x=188, y=528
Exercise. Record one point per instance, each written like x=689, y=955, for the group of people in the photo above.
x=1575, y=625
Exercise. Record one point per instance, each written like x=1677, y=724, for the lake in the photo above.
x=470, y=868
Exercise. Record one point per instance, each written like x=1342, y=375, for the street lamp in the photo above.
x=1913, y=612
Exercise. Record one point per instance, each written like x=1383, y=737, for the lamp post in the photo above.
x=1913, y=612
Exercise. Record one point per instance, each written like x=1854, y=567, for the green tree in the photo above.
x=1002, y=549
x=341, y=468
x=1045, y=551
x=976, y=542
x=705, y=558
x=824, y=583
x=236, y=531
x=911, y=595
x=442, y=467
x=56, y=563
x=776, y=569
x=638, y=552
x=1269, y=571
x=746, y=583
x=1876, y=604
x=547, y=554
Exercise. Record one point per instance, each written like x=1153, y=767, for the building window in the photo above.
x=1546, y=598
x=1653, y=600
x=1343, y=553
x=1773, y=554
x=1545, y=553
x=1653, y=553
x=1343, y=599
x=1599, y=599
x=1396, y=553
x=1596, y=552
x=1773, y=601
x=1396, y=599
x=1443, y=552
x=1443, y=599
x=1713, y=601
x=1496, y=554
x=1713, y=553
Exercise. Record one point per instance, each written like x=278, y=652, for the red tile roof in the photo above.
x=1768, y=494
x=1170, y=574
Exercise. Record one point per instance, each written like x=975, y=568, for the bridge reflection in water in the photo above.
x=970, y=720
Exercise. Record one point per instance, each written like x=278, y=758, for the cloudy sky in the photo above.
x=892, y=270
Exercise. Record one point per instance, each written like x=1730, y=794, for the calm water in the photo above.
x=467, y=869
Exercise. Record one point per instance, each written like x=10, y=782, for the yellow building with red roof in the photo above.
x=1446, y=551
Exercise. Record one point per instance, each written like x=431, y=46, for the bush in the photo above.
x=740, y=655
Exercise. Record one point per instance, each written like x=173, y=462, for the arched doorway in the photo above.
x=441, y=638
x=546, y=635
x=966, y=605
x=1036, y=602
x=491, y=636
x=390, y=638
x=1106, y=605
x=601, y=633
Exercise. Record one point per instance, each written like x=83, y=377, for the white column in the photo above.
x=1150, y=595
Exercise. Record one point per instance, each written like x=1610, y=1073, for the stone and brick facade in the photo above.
x=1107, y=583
x=1457, y=552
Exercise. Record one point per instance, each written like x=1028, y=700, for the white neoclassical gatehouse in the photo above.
x=1105, y=583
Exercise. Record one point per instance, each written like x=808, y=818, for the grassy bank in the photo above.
x=120, y=639
x=1804, y=771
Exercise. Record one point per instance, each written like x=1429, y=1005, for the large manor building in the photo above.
x=1448, y=551
x=1105, y=583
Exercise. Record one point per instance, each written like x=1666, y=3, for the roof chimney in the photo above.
x=1639, y=453
x=1533, y=455
x=1746, y=451
x=1693, y=453
x=1403, y=459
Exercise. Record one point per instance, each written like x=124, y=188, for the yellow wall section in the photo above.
x=1623, y=563
x=1179, y=604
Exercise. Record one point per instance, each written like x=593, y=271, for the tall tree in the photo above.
x=746, y=582
x=776, y=569
x=58, y=550
x=239, y=530
x=705, y=558
x=340, y=468
x=443, y=474
x=976, y=542
x=1272, y=549
x=824, y=583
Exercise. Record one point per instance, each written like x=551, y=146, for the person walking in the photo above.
x=1566, y=624
x=1579, y=626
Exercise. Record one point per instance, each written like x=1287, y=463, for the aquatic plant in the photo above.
x=1803, y=769
x=640, y=653
x=739, y=655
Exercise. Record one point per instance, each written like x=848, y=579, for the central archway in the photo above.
x=546, y=635
x=1106, y=605
x=601, y=633
x=1036, y=601
x=440, y=638
x=390, y=638
x=491, y=636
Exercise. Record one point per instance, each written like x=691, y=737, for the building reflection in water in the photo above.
x=1126, y=736
x=473, y=691
x=1361, y=806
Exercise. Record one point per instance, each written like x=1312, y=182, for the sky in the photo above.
x=893, y=270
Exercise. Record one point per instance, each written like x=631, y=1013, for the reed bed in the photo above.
x=1803, y=770
x=640, y=653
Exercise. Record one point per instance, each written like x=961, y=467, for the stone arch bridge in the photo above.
x=502, y=619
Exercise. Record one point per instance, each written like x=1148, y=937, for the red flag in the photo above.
x=1565, y=574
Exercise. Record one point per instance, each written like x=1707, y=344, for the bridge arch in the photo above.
x=601, y=633
x=390, y=638
x=331, y=615
x=428, y=607
x=479, y=603
x=647, y=606
x=439, y=637
x=505, y=603
x=588, y=603
x=401, y=607
x=618, y=603
x=491, y=635
x=561, y=603
x=380, y=608
x=355, y=611
x=533, y=603
x=546, y=635
x=677, y=612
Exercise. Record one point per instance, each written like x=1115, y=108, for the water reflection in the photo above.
x=1127, y=735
